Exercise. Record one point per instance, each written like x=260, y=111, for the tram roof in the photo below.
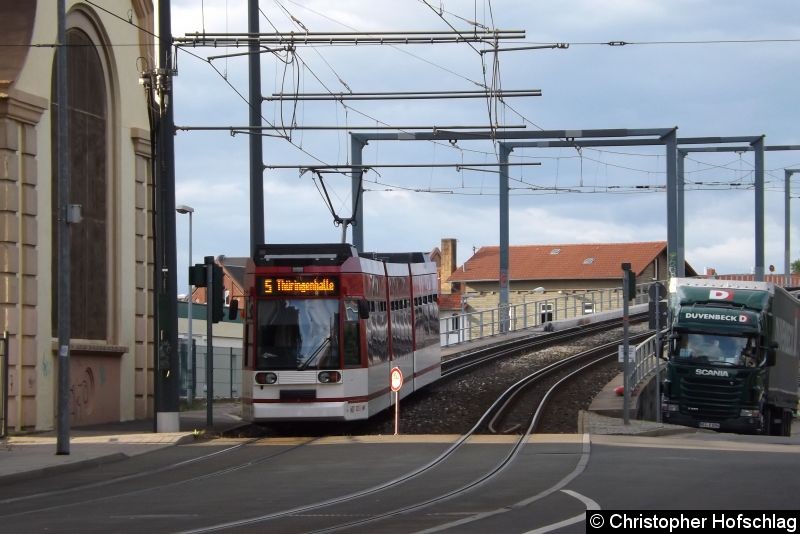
x=327, y=254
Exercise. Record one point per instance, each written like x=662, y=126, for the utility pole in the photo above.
x=256, y=147
x=626, y=295
x=787, y=265
x=167, y=364
x=210, y=302
x=64, y=278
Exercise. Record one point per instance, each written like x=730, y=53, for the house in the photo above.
x=112, y=335
x=233, y=271
x=536, y=272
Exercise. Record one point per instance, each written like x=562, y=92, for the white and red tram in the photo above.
x=325, y=325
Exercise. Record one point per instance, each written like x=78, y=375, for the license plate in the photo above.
x=704, y=424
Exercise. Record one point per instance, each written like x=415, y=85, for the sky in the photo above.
x=709, y=67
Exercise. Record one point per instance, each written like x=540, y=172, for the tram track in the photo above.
x=557, y=373
x=516, y=395
x=88, y=493
x=538, y=388
x=482, y=375
x=108, y=483
x=466, y=361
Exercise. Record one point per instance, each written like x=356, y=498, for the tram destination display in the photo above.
x=297, y=286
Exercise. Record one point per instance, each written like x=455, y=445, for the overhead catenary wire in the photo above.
x=234, y=40
x=619, y=43
x=625, y=43
x=403, y=95
x=297, y=22
x=408, y=129
x=484, y=86
x=400, y=165
x=597, y=151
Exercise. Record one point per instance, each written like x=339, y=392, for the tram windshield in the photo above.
x=298, y=334
x=717, y=349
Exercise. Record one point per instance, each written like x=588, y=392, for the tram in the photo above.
x=324, y=326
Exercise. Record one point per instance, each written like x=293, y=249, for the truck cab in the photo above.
x=721, y=356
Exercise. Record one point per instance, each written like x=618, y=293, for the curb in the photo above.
x=584, y=427
x=64, y=468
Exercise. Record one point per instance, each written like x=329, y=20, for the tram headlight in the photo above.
x=266, y=378
x=329, y=377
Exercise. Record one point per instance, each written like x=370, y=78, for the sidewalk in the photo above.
x=34, y=454
x=606, y=416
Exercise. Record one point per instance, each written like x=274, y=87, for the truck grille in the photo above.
x=709, y=398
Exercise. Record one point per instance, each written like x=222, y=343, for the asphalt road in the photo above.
x=194, y=486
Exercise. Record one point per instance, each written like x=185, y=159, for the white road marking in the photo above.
x=590, y=505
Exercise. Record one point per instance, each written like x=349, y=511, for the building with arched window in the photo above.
x=110, y=42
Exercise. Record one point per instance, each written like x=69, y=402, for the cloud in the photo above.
x=704, y=89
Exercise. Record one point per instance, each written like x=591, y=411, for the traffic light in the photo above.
x=218, y=294
x=657, y=306
x=631, y=285
x=629, y=280
x=197, y=275
x=216, y=297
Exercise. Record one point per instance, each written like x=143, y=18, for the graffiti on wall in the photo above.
x=82, y=398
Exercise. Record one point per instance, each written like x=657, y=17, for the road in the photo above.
x=553, y=482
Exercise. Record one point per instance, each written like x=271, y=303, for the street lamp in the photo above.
x=183, y=209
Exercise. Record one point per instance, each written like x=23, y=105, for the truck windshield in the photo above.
x=717, y=349
x=298, y=334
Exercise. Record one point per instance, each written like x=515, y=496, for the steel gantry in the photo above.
x=786, y=253
x=756, y=145
x=545, y=138
x=577, y=139
x=753, y=144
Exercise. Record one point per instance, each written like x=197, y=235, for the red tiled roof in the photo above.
x=571, y=262
x=449, y=301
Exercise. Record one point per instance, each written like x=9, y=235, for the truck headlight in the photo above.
x=669, y=407
x=750, y=413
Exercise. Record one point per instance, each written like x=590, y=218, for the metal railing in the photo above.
x=227, y=372
x=472, y=326
x=644, y=361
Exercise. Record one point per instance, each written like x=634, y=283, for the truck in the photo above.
x=732, y=356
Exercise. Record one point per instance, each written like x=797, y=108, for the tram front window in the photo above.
x=298, y=334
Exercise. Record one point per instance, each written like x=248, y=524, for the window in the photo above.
x=545, y=312
x=454, y=321
x=588, y=261
x=298, y=334
x=88, y=165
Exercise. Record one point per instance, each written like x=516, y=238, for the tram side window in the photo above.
x=351, y=335
x=352, y=354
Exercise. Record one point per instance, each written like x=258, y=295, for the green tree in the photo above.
x=796, y=267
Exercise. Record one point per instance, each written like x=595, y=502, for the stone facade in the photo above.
x=110, y=378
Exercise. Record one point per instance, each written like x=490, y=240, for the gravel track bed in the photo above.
x=455, y=404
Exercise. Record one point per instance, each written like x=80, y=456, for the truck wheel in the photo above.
x=766, y=420
x=787, y=423
x=776, y=427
